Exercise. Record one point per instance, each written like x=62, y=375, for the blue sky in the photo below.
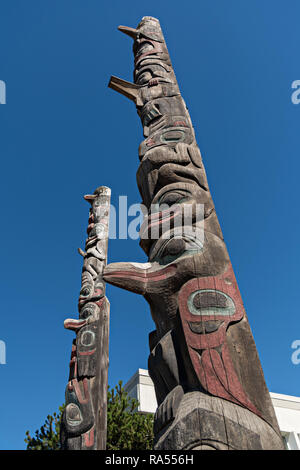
x=63, y=133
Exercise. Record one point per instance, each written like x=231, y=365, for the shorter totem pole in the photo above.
x=84, y=419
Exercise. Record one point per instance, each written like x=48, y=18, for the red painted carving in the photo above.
x=214, y=369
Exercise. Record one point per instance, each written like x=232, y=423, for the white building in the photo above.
x=287, y=408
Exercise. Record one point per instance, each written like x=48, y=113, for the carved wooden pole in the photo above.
x=203, y=361
x=84, y=419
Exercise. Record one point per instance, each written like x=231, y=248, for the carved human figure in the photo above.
x=203, y=361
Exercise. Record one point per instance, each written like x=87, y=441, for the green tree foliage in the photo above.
x=47, y=437
x=126, y=429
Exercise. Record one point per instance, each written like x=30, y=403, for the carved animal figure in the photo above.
x=203, y=361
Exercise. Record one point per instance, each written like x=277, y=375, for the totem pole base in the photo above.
x=205, y=422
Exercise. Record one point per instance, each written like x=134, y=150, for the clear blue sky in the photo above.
x=63, y=133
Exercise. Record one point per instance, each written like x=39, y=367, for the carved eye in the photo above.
x=144, y=77
x=168, y=200
x=174, y=247
x=171, y=198
x=144, y=47
x=171, y=250
x=85, y=313
x=166, y=251
x=88, y=310
x=85, y=291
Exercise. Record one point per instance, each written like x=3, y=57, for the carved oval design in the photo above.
x=87, y=338
x=211, y=302
x=172, y=136
x=73, y=414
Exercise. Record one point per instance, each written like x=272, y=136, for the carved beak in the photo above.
x=73, y=324
x=90, y=197
x=137, y=277
x=132, y=32
x=129, y=276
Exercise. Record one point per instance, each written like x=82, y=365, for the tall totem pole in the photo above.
x=83, y=424
x=208, y=380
